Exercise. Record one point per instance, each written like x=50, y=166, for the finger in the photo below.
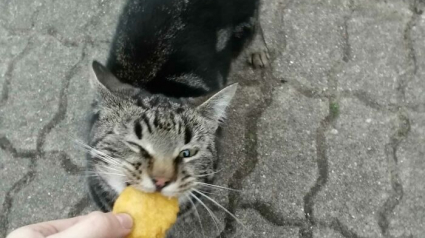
x=45, y=229
x=99, y=225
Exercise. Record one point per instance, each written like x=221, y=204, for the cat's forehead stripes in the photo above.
x=138, y=129
x=187, y=135
x=163, y=130
x=145, y=119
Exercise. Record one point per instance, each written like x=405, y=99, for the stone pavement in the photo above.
x=329, y=141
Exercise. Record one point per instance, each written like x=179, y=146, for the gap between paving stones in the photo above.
x=251, y=141
x=9, y=72
x=403, y=128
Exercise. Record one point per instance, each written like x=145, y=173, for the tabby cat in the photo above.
x=160, y=98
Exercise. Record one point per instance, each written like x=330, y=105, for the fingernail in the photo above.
x=125, y=220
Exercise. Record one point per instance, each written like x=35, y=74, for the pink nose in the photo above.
x=160, y=182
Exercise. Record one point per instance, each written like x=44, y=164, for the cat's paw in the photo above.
x=259, y=59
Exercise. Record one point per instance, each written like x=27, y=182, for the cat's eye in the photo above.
x=187, y=153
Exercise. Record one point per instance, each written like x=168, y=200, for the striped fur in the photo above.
x=159, y=118
x=138, y=135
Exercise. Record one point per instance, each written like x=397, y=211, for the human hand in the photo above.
x=94, y=225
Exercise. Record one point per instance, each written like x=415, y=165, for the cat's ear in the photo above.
x=103, y=81
x=215, y=107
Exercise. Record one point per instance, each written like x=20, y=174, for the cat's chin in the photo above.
x=171, y=195
x=145, y=189
x=171, y=190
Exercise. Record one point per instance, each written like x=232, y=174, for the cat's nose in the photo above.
x=160, y=182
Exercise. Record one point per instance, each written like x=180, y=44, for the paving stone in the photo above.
x=51, y=195
x=322, y=232
x=380, y=7
x=257, y=227
x=11, y=171
x=77, y=20
x=415, y=92
x=34, y=90
x=415, y=95
x=408, y=218
x=417, y=34
x=190, y=226
x=286, y=166
x=10, y=46
x=313, y=40
x=378, y=56
x=357, y=180
x=105, y=24
x=21, y=14
x=75, y=126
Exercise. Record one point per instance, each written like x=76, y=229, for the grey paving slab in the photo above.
x=378, y=51
x=415, y=97
x=357, y=182
x=73, y=129
x=33, y=92
x=313, y=32
x=256, y=226
x=12, y=170
x=286, y=167
x=12, y=47
x=407, y=218
x=77, y=21
x=326, y=142
x=50, y=195
x=325, y=232
x=20, y=14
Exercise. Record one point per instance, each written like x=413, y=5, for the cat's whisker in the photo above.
x=107, y=158
x=208, y=192
x=98, y=174
x=213, y=217
x=83, y=145
x=94, y=175
x=106, y=170
x=217, y=186
x=110, y=168
x=101, y=155
x=197, y=215
x=204, y=175
x=106, y=173
x=219, y=205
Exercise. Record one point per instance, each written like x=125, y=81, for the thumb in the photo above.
x=99, y=225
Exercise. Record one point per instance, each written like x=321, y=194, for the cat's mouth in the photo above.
x=172, y=190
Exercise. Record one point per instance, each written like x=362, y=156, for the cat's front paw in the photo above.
x=259, y=59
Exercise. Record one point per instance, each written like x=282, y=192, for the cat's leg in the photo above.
x=242, y=35
x=249, y=35
x=257, y=53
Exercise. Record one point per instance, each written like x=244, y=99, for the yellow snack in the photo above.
x=152, y=213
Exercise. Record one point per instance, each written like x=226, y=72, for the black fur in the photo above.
x=157, y=40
